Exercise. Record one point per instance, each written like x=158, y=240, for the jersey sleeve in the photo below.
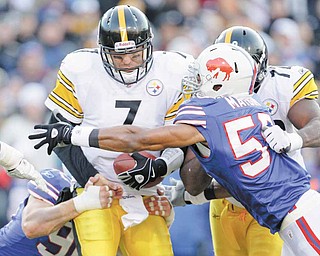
x=56, y=180
x=305, y=86
x=190, y=113
x=64, y=96
x=182, y=61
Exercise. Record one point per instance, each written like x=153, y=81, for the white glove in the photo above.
x=173, y=158
x=12, y=160
x=175, y=193
x=282, y=141
x=178, y=196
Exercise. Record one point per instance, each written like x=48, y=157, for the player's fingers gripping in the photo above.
x=106, y=196
x=168, y=191
x=158, y=206
x=160, y=191
x=276, y=138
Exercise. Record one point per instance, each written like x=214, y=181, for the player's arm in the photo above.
x=73, y=157
x=195, y=186
x=17, y=166
x=124, y=138
x=41, y=218
x=305, y=116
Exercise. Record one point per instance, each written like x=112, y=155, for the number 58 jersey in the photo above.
x=87, y=95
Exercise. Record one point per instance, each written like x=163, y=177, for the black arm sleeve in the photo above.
x=75, y=161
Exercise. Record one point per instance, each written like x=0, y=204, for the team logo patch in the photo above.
x=154, y=87
x=271, y=105
x=221, y=65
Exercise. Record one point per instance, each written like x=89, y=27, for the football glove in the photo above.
x=178, y=196
x=12, y=160
x=146, y=170
x=282, y=141
x=175, y=192
x=57, y=134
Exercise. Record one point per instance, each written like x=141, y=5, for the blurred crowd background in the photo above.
x=37, y=34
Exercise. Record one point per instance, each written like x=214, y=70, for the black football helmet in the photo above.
x=252, y=42
x=125, y=29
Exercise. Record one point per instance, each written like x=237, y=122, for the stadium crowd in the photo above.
x=37, y=34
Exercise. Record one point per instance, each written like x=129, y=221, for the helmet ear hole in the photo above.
x=217, y=87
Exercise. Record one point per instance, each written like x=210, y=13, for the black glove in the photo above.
x=54, y=134
x=146, y=170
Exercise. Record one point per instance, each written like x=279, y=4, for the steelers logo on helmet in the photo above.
x=271, y=105
x=154, y=87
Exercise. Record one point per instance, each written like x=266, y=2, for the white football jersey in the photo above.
x=87, y=95
x=281, y=89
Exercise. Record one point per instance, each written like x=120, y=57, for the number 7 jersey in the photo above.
x=87, y=95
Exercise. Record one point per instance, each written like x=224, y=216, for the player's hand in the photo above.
x=281, y=141
x=57, y=134
x=158, y=205
x=141, y=174
x=99, y=180
x=25, y=170
x=93, y=197
x=175, y=193
x=161, y=206
x=15, y=164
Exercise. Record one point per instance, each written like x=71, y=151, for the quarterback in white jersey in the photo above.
x=85, y=94
x=121, y=82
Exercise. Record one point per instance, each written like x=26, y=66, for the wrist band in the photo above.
x=198, y=199
x=80, y=136
x=296, y=141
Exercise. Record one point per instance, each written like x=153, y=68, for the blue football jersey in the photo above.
x=266, y=183
x=13, y=241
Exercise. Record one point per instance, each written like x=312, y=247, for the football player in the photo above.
x=41, y=225
x=226, y=127
x=290, y=94
x=121, y=82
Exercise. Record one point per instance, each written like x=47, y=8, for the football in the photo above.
x=125, y=162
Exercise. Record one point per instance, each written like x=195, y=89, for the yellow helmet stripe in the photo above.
x=228, y=36
x=122, y=24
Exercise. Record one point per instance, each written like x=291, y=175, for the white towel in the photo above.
x=136, y=211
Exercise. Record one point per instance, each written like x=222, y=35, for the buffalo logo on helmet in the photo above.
x=222, y=65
